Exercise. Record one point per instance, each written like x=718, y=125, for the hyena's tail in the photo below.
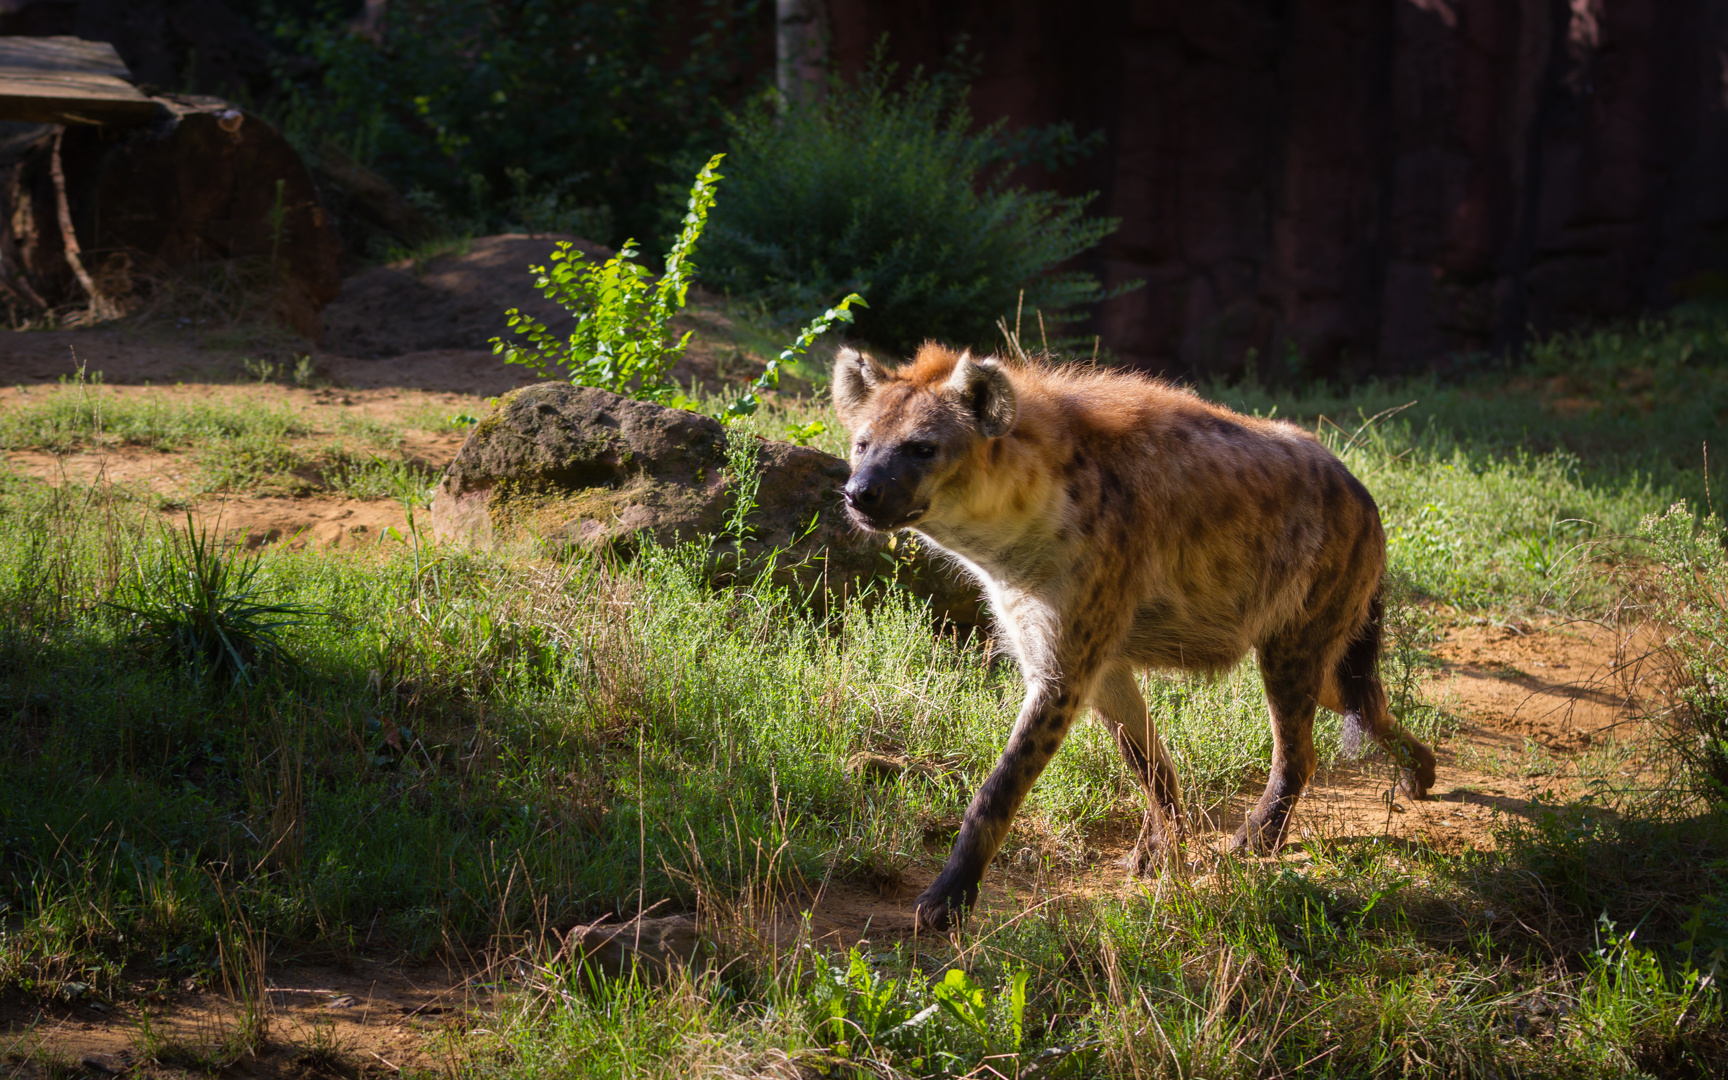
x=1365, y=710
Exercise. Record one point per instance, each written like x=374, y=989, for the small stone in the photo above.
x=613, y=948
x=866, y=765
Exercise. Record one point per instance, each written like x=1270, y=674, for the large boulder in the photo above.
x=576, y=466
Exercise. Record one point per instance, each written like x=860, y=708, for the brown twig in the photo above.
x=99, y=306
x=1709, y=504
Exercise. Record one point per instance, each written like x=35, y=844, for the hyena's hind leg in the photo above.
x=1361, y=700
x=1119, y=706
x=1294, y=673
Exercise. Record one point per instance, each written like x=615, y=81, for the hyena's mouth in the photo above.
x=876, y=523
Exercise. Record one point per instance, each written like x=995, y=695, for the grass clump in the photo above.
x=1685, y=585
x=203, y=606
x=83, y=413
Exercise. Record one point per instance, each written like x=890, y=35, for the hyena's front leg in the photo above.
x=1048, y=711
x=1122, y=710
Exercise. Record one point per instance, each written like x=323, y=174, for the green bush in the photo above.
x=893, y=194
x=203, y=606
x=621, y=341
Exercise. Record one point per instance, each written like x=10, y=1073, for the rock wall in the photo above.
x=1354, y=186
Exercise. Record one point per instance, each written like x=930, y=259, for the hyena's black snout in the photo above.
x=882, y=499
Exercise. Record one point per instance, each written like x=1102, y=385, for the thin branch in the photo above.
x=99, y=305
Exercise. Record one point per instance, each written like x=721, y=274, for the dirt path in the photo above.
x=369, y=1019
x=321, y=521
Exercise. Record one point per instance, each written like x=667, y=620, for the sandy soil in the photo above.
x=1532, y=700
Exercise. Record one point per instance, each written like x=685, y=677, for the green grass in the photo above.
x=235, y=445
x=79, y=415
x=471, y=751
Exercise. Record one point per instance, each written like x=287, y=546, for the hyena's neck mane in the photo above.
x=1084, y=443
x=1008, y=512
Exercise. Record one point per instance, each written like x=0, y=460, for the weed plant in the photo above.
x=620, y=341
x=202, y=606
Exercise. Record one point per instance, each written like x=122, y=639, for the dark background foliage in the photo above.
x=487, y=112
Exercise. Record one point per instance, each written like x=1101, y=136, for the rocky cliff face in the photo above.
x=1363, y=185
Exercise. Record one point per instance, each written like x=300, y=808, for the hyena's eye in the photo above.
x=921, y=449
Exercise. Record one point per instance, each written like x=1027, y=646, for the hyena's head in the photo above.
x=916, y=429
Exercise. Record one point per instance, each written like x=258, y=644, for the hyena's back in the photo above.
x=1227, y=530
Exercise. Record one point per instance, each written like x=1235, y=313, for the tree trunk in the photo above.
x=370, y=22
x=801, y=49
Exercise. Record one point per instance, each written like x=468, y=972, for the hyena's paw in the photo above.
x=940, y=909
x=1257, y=838
x=1159, y=846
x=1150, y=860
x=1416, y=774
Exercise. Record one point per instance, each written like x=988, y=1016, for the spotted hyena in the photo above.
x=1119, y=523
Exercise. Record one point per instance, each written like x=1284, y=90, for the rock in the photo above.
x=612, y=949
x=573, y=465
x=454, y=300
x=873, y=767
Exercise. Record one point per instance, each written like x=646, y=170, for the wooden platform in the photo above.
x=67, y=80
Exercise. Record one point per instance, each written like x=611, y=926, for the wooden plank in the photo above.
x=67, y=80
x=62, y=55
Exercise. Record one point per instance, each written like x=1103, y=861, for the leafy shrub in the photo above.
x=891, y=193
x=1688, y=589
x=621, y=341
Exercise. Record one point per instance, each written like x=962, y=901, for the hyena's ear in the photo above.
x=982, y=387
x=856, y=377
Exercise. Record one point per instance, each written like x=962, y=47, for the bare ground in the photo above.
x=1540, y=706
